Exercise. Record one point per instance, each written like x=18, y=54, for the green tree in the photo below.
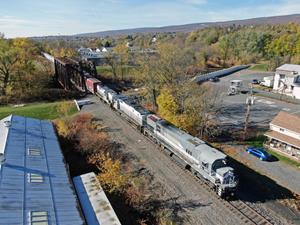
x=8, y=61
x=122, y=54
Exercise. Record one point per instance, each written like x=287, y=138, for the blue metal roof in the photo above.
x=34, y=179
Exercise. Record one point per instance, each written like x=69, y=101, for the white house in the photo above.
x=287, y=80
x=284, y=134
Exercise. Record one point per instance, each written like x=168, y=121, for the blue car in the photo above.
x=260, y=153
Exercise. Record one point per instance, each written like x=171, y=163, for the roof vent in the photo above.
x=7, y=123
x=2, y=159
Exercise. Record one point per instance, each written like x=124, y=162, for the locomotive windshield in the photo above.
x=220, y=163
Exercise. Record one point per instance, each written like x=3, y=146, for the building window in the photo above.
x=34, y=151
x=38, y=218
x=35, y=178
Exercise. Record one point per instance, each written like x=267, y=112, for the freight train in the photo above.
x=203, y=160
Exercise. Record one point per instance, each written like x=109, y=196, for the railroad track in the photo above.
x=251, y=215
x=247, y=214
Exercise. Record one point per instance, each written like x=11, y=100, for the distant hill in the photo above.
x=187, y=27
x=196, y=26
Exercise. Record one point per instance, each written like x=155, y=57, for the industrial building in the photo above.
x=284, y=135
x=35, y=187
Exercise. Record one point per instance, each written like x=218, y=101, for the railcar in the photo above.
x=92, y=84
x=102, y=92
x=132, y=111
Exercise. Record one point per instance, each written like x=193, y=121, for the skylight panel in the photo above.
x=35, y=178
x=34, y=151
x=38, y=218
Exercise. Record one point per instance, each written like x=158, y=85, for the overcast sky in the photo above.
x=53, y=17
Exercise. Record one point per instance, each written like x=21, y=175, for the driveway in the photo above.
x=286, y=175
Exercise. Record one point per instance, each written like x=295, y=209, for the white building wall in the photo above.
x=285, y=131
x=276, y=81
x=296, y=92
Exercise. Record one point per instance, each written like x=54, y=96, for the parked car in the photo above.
x=260, y=153
x=255, y=81
x=214, y=79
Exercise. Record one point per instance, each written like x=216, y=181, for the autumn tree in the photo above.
x=111, y=175
x=167, y=67
x=113, y=61
x=122, y=55
x=65, y=108
x=8, y=60
x=191, y=107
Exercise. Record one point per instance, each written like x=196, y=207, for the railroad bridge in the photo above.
x=71, y=73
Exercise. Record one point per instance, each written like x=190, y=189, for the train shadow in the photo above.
x=170, y=209
x=255, y=187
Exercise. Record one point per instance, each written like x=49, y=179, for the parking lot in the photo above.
x=233, y=108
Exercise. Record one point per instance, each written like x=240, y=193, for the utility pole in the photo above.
x=249, y=103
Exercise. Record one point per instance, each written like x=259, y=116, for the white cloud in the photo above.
x=10, y=20
x=195, y=2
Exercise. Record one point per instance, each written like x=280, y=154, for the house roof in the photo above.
x=34, y=183
x=283, y=138
x=288, y=121
x=290, y=67
x=96, y=207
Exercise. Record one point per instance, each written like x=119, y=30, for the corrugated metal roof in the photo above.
x=290, y=67
x=20, y=198
x=96, y=207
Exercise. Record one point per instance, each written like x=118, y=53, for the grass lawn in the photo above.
x=103, y=69
x=257, y=141
x=285, y=159
x=259, y=67
x=106, y=71
x=44, y=111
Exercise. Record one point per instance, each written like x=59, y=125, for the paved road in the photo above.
x=186, y=192
x=234, y=107
x=285, y=175
x=194, y=205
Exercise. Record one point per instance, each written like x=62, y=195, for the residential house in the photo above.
x=284, y=135
x=287, y=80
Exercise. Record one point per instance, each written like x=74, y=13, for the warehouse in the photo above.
x=35, y=187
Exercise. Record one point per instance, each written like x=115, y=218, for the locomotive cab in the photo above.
x=226, y=180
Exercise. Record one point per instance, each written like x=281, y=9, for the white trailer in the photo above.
x=268, y=81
